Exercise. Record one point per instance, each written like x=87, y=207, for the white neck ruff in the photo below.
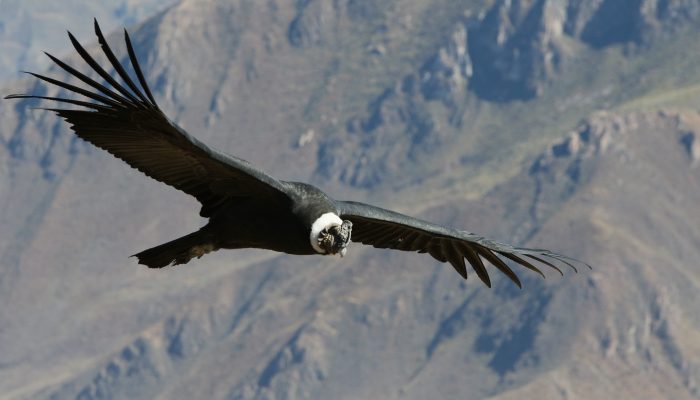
x=323, y=222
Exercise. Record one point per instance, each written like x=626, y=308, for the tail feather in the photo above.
x=178, y=251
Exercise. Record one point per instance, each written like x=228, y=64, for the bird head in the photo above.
x=334, y=239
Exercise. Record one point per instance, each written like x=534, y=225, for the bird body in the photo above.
x=246, y=207
x=291, y=227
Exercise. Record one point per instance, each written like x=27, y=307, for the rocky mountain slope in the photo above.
x=538, y=122
x=29, y=26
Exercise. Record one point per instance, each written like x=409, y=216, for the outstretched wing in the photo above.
x=126, y=122
x=390, y=230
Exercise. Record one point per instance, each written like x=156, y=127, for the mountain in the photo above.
x=29, y=26
x=546, y=123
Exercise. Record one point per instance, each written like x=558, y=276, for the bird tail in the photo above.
x=178, y=251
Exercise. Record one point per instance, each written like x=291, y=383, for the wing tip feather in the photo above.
x=137, y=69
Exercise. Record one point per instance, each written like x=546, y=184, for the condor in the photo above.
x=246, y=207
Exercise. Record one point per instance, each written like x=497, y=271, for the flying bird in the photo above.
x=246, y=207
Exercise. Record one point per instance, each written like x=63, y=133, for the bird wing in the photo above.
x=127, y=122
x=386, y=229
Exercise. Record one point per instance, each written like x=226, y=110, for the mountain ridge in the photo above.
x=87, y=322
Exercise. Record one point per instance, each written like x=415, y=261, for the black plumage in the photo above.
x=246, y=207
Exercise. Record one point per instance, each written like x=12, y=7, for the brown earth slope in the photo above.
x=385, y=102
